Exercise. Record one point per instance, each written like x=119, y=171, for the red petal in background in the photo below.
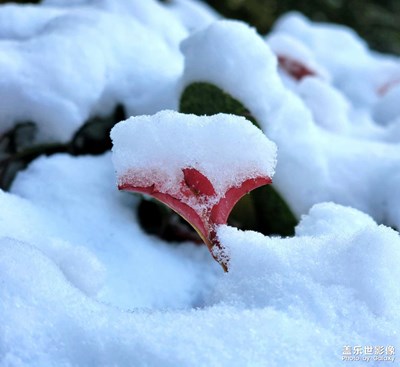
x=295, y=68
x=387, y=86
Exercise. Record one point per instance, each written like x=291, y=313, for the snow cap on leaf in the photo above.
x=200, y=166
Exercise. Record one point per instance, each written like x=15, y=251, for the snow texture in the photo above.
x=357, y=71
x=89, y=229
x=69, y=64
x=146, y=150
x=315, y=292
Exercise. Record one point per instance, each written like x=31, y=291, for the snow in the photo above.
x=387, y=110
x=278, y=292
x=70, y=64
x=205, y=62
x=318, y=259
x=81, y=284
x=357, y=71
x=316, y=93
x=146, y=150
x=193, y=14
x=64, y=221
x=285, y=46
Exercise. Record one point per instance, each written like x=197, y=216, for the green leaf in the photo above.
x=207, y=99
x=274, y=215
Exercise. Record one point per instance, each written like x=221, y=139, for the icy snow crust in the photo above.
x=153, y=150
x=82, y=285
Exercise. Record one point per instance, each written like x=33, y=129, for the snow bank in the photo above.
x=339, y=271
x=155, y=149
x=307, y=293
x=67, y=64
x=59, y=326
x=327, y=265
x=150, y=13
x=294, y=54
x=90, y=231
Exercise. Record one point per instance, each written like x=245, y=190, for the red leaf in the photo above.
x=220, y=212
x=197, y=202
x=197, y=182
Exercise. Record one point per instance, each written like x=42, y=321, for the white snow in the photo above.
x=387, y=109
x=148, y=150
x=80, y=62
x=357, y=71
x=149, y=13
x=81, y=284
x=335, y=114
x=319, y=259
x=90, y=231
x=285, y=46
x=314, y=293
x=194, y=14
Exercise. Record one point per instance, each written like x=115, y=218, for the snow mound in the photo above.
x=359, y=72
x=194, y=14
x=68, y=64
x=333, y=284
x=295, y=55
x=90, y=231
x=338, y=271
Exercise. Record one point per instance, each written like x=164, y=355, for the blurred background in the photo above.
x=377, y=21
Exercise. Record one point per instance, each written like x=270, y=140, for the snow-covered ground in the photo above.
x=81, y=284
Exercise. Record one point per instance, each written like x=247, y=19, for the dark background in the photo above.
x=377, y=21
